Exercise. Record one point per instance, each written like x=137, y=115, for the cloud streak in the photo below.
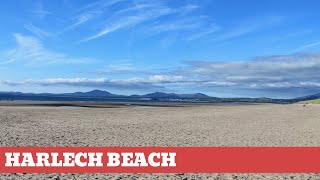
x=148, y=15
x=91, y=12
x=141, y=12
x=123, y=23
x=30, y=50
x=249, y=26
x=37, y=31
x=307, y=46
x=40, y=11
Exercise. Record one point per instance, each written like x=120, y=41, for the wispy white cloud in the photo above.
x=188, y=8
x=30, y=50
x=180, y=24
x=140, y=12
x=143, y=12
x=249, y=26
x=91, y=11
x=83, y=18
x=6, y=62
x=37, y=31
x=122, y=23
x=307, y=46
x=98, y=5
x=136, y=7
x=198, y=35
x=39, y=11
x=184, y=24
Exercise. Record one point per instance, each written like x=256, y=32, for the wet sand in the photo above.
x=38, y=124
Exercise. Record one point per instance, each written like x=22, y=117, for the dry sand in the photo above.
x=183, y=125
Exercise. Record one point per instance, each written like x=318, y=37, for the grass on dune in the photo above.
x=316, y=101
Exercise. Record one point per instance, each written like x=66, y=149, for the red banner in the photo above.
x=159, y=159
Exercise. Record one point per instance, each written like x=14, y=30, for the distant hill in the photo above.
x=160, y=95
x=11, y=93
x=307, y=98
x=94, y=93
x=315, y=101
x=171, y=95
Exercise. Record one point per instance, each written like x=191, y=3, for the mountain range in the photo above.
x=100, y=93
x=105, y=95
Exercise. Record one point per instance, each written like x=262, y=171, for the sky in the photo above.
x=223, y=48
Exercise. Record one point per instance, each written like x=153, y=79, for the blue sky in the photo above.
x=219, y=47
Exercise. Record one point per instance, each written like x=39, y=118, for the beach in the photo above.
x=123, y=124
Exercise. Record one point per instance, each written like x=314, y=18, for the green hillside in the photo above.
x=315, y=101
